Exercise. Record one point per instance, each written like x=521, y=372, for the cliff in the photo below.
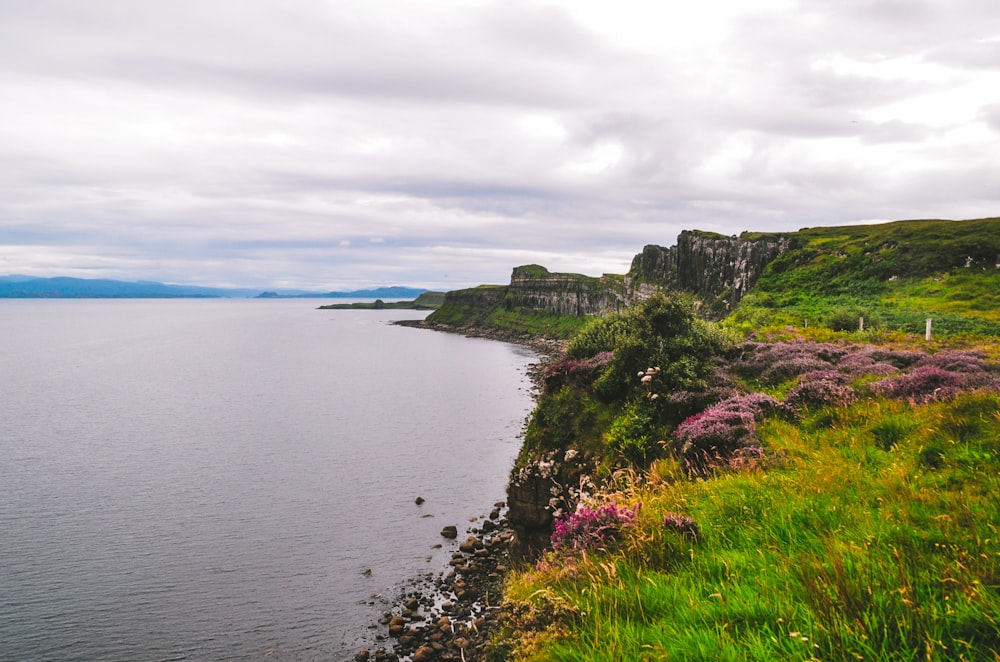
x=717, y=270
x=536, y=301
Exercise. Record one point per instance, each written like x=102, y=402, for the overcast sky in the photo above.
x=349, y=143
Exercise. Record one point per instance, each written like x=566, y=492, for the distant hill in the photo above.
x=62, y=287
x=390, y=292
x=28, y=287
x=426, y=301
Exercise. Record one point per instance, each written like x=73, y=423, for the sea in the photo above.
x=235, y=479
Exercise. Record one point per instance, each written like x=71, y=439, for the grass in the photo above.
x=896, y=275
x=870, y=533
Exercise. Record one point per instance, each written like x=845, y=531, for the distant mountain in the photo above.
x=27, y=287
x=393, y=292
x=30, y=287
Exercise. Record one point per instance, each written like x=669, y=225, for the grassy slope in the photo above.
x=871, y=533
x=896, y=275
x=847, y=549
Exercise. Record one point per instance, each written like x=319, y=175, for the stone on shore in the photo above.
x=450, y=532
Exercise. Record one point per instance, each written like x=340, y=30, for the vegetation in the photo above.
x=597, y=399
x=782, y=486
x=868, y=533
x=789, y=484
x=426, y=301
x=894, y=275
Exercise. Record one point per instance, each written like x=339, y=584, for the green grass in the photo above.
x=870, y=534
x=535, y=323
x=896, y=275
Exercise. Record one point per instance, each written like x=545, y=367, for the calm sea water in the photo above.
x=210, y=479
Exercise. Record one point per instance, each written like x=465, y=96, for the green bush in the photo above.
x=567, y=418
x=633, y=434
x=848, y=319
x=661, y=332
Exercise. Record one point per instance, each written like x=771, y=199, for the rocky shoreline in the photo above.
x=448, y=617
x=546, y=347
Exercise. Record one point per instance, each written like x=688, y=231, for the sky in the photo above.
x=338, y=145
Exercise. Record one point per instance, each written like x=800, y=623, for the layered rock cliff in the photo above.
x=535, y=289
x=716, y=269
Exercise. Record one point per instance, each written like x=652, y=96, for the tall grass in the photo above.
x=869, y=533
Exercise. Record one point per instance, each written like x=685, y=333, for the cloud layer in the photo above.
x=347, y=144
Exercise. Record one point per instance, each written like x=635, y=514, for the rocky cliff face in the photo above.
x=535, y=289
x=718, y=270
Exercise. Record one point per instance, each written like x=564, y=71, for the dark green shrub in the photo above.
x=566, y=418
x=661, y=332
x=633, y=434
x=848, y=319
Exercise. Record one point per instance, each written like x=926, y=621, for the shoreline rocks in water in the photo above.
x=449, y=617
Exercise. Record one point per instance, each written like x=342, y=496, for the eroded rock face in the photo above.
x=718, y=270
x=535, y=289
x=541, y=491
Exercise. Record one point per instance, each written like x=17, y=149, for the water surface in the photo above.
x=210, y=479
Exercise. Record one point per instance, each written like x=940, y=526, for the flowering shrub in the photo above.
x=773, y=363
x=588, y=528
x=714, y=435
x=684, y=404
x=682, y=524
x=574, y=370
x=968, y=362
x=874, y=360
x=820, y=388
x=923, y=384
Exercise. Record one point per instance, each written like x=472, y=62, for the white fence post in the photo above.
x=927, y=335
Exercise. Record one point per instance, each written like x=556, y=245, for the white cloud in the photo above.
x=272, y=142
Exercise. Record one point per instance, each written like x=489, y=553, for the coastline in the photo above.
x=451, y=615
x=547, y=348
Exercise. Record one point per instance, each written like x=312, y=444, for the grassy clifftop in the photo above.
x=896, y=275
x=780, y=485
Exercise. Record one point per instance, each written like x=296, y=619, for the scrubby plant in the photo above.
x=593, y=528
x=566, y=418
x=682, y=524
x=600, y=334
x=923, y=384
x=660, y=331
x=633, y=434
x=964, y=361
x=821, y=388
x=711, y=438
x=596, y=395
x=773, y=363
x=579, y=372
x=850, y=319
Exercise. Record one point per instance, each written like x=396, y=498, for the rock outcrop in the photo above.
x=541, y=491
x=716, y=269
x=535, y=289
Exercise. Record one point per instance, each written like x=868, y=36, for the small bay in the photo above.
x=212, y=479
